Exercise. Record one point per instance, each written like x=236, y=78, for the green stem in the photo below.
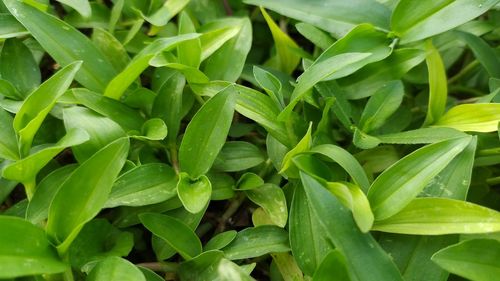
x=233, y=207
x=29, y=188
x=174, y=158
x=467, y=90
x=493, y=181
x=291, y=132
x=463, y=72
x=160, y=266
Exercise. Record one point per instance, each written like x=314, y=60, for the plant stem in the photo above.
x=233, y=207
x=493, y=181
x=174, y=158
x=29, y=188
x=463, y=72
x=160, y=266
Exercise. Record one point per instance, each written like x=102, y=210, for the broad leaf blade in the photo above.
x=206, y=133
x=478, y=117
x=178, y=235
x=25, y=250
x=402, y=182
x=435, y=216
x=333, y=16
x=79, y=201
x=475, y=259
x=65, y=44
x=414, y=21
x=39, y=103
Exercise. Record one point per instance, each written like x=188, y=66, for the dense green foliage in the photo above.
x=290, y=140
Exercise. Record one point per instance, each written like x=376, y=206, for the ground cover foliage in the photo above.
x=257, y=140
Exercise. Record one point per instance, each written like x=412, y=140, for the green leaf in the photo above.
x=361, y=46
x=65, y=44
x=97, y=240
x=153, y=129
x=220, y=240
x=483, y=52
x=332, y=16
x=423, y=135
x=381, y=106
x=315, y=35
x=257, y=241
x=111, y=48
x=215, y=34
x=194, y=193
x=173, y=231
x=143, y=185
x=10, y=27
x=272, y=199
x=475, y=259
x=303, y=146
x=228, y=61
x=365, y=259
x=39, y=103
x=19, y=67
x=77, y=201
x=478, y=117
x=101, y=130
x=25, y=250
x=123, y=115
x=116, y=87
x=366, y=81
x=212, y=265
x=168, y=102
x=115, y=269
x=81, y=6
x=334, y=264
x=253, y=105
x=402, y=182
x=286, y=48
x=414, y=21
x=46, y=190
x=353, y=198
x=189, y=52
x=436, y=216
x=346, y=160
x=238, y=156
x=26, y=169
x=270, y=84
x=166, y=12
x=438, y=85
x=206, y=133
x=8, y=141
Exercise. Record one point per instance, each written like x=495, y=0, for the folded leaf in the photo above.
x=285, y=46
x=438, y=84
